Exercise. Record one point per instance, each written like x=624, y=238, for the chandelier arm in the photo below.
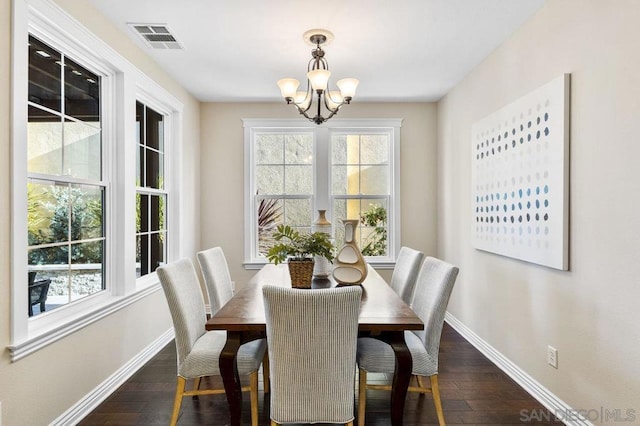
x=304, y=112
x=332, y=113
x=309, y=96
x=326, y=103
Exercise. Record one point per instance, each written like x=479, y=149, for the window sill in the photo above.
x=43, y=333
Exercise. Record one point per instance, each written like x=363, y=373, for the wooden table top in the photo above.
x=381, y=309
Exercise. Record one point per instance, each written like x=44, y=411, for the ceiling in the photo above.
x=402, y=50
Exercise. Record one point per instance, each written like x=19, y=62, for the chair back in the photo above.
x=217, y=278
x=403, y=279
x=186, y=304
x=312, y=337
x=430, y=299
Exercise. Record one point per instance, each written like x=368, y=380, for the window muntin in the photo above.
x=65, y=191
x=151, y=197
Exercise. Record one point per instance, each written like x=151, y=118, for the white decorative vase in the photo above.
x=349, y=266
x=322, y=267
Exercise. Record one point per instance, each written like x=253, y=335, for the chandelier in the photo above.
x=318, y=83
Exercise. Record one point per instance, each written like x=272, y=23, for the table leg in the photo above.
x=229, y=372
x=401, y=376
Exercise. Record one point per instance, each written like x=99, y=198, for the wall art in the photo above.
x=520, y=177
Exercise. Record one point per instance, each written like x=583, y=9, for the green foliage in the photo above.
x=35, y=221
x=299, y=246
x=376, y=244
x=72, y=215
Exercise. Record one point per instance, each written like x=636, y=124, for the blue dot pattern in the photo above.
x=512, y=202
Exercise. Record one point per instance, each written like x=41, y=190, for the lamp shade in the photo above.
x=334, y=99
x=302, y=100
x=288, y=87
x=348, y=87
x=319, y=78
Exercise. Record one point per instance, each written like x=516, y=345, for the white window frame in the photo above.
x=151, y=103
x=322, y=178
x=122, y=84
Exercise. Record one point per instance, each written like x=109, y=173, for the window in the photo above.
x=151, y=197
x=65, y=190
x=347, y=167
x=75, y=182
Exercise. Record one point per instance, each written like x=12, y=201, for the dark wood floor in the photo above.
x=474, y=391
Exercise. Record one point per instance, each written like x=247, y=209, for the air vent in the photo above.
x=156, y=36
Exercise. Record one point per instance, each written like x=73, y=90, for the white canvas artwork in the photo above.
x=520, y=177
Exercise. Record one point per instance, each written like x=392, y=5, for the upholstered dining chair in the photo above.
x=199, y=350
x=217, y=280
x=430, y=299
x=404, y=275
x=312, y=338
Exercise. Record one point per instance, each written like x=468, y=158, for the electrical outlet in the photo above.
x=552, y=356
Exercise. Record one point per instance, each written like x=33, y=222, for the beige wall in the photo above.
x=39, y=388
x=590, y=313
x=222, y=166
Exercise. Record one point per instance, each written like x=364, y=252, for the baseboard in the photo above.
x=94, y=398
x=551, y=402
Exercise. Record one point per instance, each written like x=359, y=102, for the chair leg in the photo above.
x=196, y=387
x=182, y=382
x=265, y=371
x=253, y=390
x=436, y=399
x=362, y=395
x=349, y=424
x=419, y=380
x=273, y=423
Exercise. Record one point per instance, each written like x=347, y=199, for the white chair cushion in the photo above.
x=375, y=356
x=203, y=358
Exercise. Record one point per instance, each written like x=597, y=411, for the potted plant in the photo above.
x=299, y=249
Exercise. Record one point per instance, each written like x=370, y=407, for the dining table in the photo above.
x=383, y=315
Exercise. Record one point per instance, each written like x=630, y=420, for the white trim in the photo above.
x=98, y=395
x=62, y=329
x=521, y=377
x=19, y=93
x=334, y=123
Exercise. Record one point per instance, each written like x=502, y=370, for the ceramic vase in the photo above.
x=349, y=267
x=322, y=267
